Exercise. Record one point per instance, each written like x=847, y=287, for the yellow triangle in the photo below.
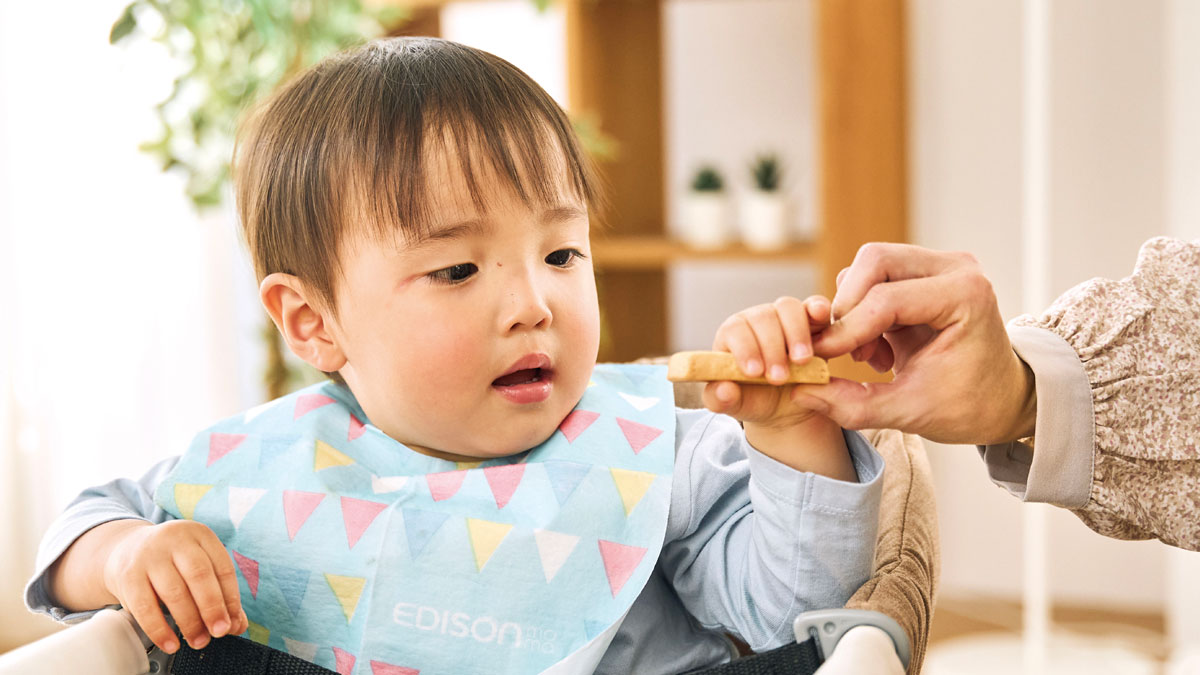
x=348, y=590
x=186, y=497
x=467, y=465
x=632, y=486
x=485, y=537
x=327, y=456
x=258, y=633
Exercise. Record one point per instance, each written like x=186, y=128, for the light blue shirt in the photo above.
x=750, y=543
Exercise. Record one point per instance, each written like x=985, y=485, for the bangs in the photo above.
x=476, y=114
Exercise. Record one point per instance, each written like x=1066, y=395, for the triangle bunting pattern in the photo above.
x=485, y=537
x=358, y=514
x=504, y=481
x=632, y=486
x=444, y=485
x=419, y=528
x=249, y=569
x=565, y=477
x=640, y=403
x=347, y=590
x=220, y=445
x=258, y=633
x=326, y=456
x=381, y=668
x=638, y=435
x=344, y=661
x=308, y=403
x=272, y=447
x=241, y=500
x=187, y=496
x=576, y=423
x=554, y=548
x=356, y=429
x=297, y=507
x=384, y=484
x=619, y=562
x=301, y=650
x=292, y=583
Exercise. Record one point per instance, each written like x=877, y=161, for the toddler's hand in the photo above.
x=180, y=564
x=763, y=339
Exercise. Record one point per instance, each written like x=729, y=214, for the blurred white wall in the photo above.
x=1113, y=156
x=737, y=82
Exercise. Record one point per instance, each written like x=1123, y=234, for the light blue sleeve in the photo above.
x=751, y=542
x=121, y=498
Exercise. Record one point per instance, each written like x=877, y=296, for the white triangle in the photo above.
x=257, y=410
x=301, y=650
x=554, y=549
x=241, y=500
x=642, y=403
x=387, y=483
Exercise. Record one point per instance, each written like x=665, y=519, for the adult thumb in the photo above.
x=857, y=405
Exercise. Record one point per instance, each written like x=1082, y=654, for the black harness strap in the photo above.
x=796, y=658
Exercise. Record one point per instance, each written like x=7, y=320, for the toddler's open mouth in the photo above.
x=527, y=381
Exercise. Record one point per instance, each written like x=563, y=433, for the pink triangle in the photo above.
x=381, y=668
x=345, y=661
x=297, y=507
x=576, y=422
x=443, y=485
x=249, y=570
x=220, y=445
x=358, y=515
x=638, y=435
x=619, y=562
x=504, y=481
x=308, y=403
x=356, y=428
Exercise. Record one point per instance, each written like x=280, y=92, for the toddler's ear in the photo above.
x=304, y=326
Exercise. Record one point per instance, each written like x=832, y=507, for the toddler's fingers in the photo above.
x=736, y=337
x=142, y=603
x=820, y=311
x=772, y=344
x=722, y=397
x=173, y=591
x=201, y=579
x=793, y=317
x=227, y=578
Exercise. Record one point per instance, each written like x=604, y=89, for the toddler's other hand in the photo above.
x=763, y=339
x=182, y=565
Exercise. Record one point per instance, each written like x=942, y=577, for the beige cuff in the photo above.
x=1060, y=471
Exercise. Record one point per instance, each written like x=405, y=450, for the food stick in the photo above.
x=716, y=366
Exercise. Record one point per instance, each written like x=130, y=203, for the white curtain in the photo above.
x=117, y=332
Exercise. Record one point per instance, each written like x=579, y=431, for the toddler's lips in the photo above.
x=528, y=381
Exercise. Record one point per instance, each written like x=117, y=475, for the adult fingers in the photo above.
x=855, y=405
x=197, y=572
x=877, y=263
x=173, y=591
x=142, y=603
x=932, y=301
x=227, y=579
x=737, y=337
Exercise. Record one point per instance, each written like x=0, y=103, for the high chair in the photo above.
x=882, y=630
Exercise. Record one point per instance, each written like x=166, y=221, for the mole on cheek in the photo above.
x=499, y=265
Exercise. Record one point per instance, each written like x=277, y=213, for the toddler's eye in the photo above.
x=454, y=274
x=563, y=257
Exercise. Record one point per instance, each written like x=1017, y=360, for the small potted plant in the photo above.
x=764, y=210
x=705, y=211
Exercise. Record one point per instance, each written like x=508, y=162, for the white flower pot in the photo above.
x=705, y=220
x=763, y=220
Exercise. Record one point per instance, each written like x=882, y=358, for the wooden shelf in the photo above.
x=655, y=253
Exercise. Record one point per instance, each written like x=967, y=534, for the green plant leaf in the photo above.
x=123, y=26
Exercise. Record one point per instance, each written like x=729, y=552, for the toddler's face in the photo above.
x=477, y=341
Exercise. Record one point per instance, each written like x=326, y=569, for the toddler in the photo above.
x=470, y=492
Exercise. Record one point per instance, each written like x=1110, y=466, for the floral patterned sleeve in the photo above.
x=1117, y=366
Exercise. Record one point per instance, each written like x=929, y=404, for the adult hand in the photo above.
x=932, y=318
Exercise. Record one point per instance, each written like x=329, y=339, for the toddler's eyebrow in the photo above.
x=553, y=216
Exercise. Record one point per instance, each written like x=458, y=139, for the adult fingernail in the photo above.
x=779, y=373
x=170, y=646
x=220, y=628
x=200, y=642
